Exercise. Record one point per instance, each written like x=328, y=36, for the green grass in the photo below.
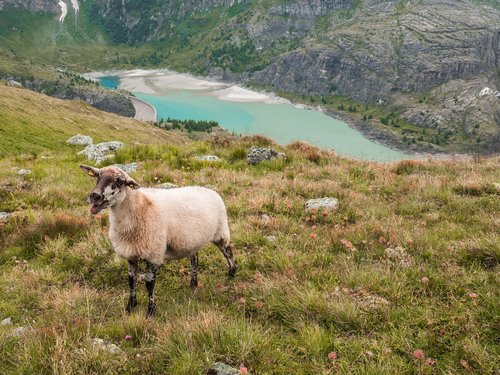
x=294, y=300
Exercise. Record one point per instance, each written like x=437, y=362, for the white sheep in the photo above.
x=156, y=225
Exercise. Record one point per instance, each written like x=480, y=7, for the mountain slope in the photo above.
x=409, y=261
x=426, y=62
x=34, y=123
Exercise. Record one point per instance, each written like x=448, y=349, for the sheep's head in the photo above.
x=110, y=189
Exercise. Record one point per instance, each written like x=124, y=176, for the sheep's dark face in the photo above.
x=110, y=188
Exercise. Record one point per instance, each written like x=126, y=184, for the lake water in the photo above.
x=282, y=122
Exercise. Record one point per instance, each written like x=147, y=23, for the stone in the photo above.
x=211, y=158
x=4, y=216
x=257, y=155
x=322, y=204
x=80, y=140
x=13, y=83
x=6, y=322
x=22, y=172
x=220, y=368
x=167, y=185
x=265, y=218
x=127, y=168
x=100, y=151
x=101, y=344
x=19, y=331
x=271, y=238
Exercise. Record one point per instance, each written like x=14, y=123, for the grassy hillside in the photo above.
x=33, y=123
x=309, y=285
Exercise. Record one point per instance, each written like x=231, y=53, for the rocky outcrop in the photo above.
x=105, y=100
x=257, y=155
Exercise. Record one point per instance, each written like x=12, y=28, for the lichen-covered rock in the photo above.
x=322, y=204
x=100, y=151
x=167, y=185
x=4, y=216
x=6, y=322
x=110, y=347
x=259, y=154
x=13, y=83
x=22, y=172
x=212, y=158
x=220, y=368
x=80, y=140
x=128, y=168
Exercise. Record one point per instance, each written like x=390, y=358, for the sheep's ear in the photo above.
x=91, y=171
x=131, y=182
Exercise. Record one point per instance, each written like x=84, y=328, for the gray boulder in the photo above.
x=128, y=168
x=80, y=140
x=100, y=151
x=4, y=216
x=6, y=322
x=259, y=154
x=322, y=204
x=13, y=83
x=22, y=172
x=208, y=158
x=220, y=368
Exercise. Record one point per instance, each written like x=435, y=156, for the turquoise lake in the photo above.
x=282, y=122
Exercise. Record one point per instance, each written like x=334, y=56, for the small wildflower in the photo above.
x=382, y=240
x=313, y=235
x=369, y=354
x=419, y=354
x=424, y=280
x=332, y=356
x=243, y=371
x=259, y=304
x=473, y=295
x=314, y=227
x=387, y=351
x=128, y=337
x=242, y=301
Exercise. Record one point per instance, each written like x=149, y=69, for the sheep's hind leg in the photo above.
x=132, y=283
x=194, y=271
x=150, y=277
x=227, y=250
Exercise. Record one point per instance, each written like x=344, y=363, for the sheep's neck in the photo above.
x=127, y=214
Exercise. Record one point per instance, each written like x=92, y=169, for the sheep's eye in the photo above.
x=118, y=183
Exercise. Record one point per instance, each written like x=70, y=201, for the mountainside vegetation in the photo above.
x=401, y=279
x=433, y=64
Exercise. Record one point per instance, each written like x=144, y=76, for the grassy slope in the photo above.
x=31, y=123
x=293, y=301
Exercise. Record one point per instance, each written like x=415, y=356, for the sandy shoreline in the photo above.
x=163, y=81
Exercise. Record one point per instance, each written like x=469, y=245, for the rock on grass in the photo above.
x=322, y=204
x=220, y=368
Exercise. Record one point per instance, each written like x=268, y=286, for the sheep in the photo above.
x=158, y=225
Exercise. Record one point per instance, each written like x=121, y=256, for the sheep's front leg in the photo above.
x=194, y=271
x=132, y=283
x=150, y=277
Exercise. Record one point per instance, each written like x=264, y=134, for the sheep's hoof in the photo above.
x=193, y=285
x=151, y=310
x=132, y=303
x=232, y=271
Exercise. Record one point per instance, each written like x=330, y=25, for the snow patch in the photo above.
x=76, y=7
x=64, y=10
x=489, y=92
